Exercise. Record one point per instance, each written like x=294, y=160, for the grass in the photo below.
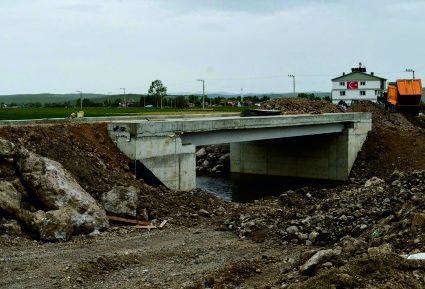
x=60, y=112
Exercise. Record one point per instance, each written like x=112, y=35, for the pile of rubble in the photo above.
x=293, y=105
x=353, y=224
x=213, y=159
x=57, y=206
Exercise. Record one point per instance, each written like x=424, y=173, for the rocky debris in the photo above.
x=10, y=227
x=319, y=258
x=294, y=105
x=66, y=207
x=54, y=225
x=375, y=212
x=58, y=190
x=120, y=201
x=6, y=148
x=213, y=159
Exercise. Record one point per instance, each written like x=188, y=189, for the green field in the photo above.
x=42, y=113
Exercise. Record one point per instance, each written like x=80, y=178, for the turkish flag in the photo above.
x=352, y=84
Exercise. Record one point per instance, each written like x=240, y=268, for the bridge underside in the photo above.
x=324, y=156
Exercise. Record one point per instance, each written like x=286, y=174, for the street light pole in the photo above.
x=109, y=99
x=293, y=81
x=411, y=70
x=203, y=92
x=81, y=98
x=125, y=99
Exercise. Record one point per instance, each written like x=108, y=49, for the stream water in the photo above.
x=245, y=188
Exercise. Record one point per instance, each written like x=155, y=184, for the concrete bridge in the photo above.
x=322, y=146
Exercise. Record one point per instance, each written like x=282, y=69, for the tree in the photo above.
x=309, y=96
x=181, y=101
x=265, y=98
x=158, y=91
x=193, y=98
x=327, y=98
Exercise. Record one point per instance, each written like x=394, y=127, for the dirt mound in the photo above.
x=86, y=151
x=383, y=271
x=396, y=142
x=294, y=105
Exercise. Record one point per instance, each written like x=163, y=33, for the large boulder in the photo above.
x=7, y=148
x=54, y=225
x=120, y=201
x=6, y=168
x=57, y=190
x=10, y=198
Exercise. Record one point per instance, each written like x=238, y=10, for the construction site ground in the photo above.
x=353, y=236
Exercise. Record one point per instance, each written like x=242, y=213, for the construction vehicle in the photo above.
x=403, y=95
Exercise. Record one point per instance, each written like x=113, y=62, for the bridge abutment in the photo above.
x=326, y=156
x=171, y=162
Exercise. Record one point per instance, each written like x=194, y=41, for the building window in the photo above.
x=362, y=92
x=342, y=83
x=342, y=93
x=362, y=82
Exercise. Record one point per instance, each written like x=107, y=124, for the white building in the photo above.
x=357, y=85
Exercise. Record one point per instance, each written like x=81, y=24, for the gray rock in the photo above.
x=312, y=236
x=7, y=148
x=120, y=201
x=319, y=258
x=11, y=227
x=9, y=197
x=200, y=153
x=206, y=164
x=6, y=168
x=224, y=159
x=54, y=225
x=374, y=182
x=56, y=188
x=292, y=230
x=204, y=213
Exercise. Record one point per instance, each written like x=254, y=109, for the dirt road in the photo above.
x=123, y=258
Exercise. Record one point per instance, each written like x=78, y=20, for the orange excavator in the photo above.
x=403, y=95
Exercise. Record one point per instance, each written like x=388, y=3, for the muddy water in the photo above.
x=245, y=188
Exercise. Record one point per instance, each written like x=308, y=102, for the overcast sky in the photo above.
x=100, y=46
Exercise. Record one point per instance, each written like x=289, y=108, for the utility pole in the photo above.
x=203, y=92
x=125, y=98
x=81, y=98
x=411, y=70
x=293, y=81
x=241, y=96
x=109, y=98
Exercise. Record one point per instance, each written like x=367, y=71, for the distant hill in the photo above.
x=45, y=97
